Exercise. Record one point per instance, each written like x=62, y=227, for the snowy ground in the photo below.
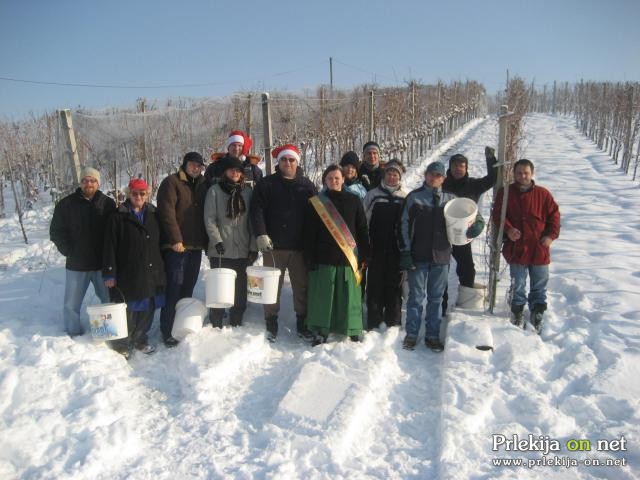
x=227, y=404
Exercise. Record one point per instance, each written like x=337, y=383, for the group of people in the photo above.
x=362, y=224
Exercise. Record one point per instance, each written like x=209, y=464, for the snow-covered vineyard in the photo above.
x=228, y=404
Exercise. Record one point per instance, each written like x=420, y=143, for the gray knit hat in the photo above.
x=91, y=172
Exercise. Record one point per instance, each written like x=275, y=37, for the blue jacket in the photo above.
x=423, y=230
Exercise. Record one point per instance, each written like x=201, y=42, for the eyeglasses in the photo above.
x=89, y=180
x=138, y=194
x=288, y=159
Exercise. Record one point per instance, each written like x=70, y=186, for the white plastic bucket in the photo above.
x=220, y=287
x=262, y=284
x=459, y=213
x=471, y=297
x=108, y=321
x=190, y=313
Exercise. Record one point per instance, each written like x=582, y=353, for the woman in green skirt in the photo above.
x=336, y=246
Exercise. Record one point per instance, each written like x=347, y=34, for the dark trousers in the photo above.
x=384, y=292
x=465, y=269
x=239, y=265
x=138, y=326
x=182, y=271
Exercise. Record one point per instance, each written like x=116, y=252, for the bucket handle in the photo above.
x=220, y=261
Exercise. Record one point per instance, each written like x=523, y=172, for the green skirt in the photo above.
x=334, y=301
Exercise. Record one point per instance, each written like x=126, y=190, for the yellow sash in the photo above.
x=339, y=231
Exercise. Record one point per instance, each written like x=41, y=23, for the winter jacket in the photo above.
x=370, y=176
x=423, y=230
x=471, y=187
x=535, y=213
x=319, y=245
x=181, y=211
x=278, y=207
x=383, y=208
x=132, y=253
x=234, y=233
x=77, y=229
x=355, y=186
x=252, y=172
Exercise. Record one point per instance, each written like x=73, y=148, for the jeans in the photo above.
x=75, y=288
x=430, y=280
x=538, y=275
x=182, y=271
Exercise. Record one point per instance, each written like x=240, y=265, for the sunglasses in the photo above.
x=287, y=159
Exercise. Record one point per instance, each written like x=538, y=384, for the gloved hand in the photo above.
x=490, y=153
x=252, y=257
x=406, y=261
x=220, y=248
x=264, y=243
x=476, y=228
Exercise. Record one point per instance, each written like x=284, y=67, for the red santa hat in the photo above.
x=238, y=136
x=288, y=150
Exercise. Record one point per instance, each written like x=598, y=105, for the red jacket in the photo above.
x=535, y=213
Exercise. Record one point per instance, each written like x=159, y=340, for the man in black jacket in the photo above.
x=277, y=213
x=77, y=230
x=460, y=184
x=370, y=171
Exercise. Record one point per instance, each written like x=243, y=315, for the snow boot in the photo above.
x=434, y=344
x=301, y=329
x=516, y=315
x=319, y=340
x=409, y=342
x=215, y=317
x=537, y=315
x=272, y=328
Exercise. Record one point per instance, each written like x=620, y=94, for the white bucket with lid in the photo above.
x=108, y=321
x=459, y=213
x=190, y=314
x=220, y=287
x=262, y=284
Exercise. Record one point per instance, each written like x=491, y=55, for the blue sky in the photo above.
x=253, y=45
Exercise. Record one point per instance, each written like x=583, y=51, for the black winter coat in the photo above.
x=471, y=187
x=278, y=207
x=370, y=177
x=132, y=253
x=319, y=245
x=77, y=229
x=384, y=210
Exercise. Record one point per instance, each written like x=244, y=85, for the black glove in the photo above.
x=406, y=261
x=490, y=153
x=220, y=248
x=252, y=257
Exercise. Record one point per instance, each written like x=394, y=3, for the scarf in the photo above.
x=235, y=204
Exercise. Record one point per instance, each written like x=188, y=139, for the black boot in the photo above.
x=215, y=317
x=302, y=330
x=537, y=315
x=516, y=315
x=272, y=328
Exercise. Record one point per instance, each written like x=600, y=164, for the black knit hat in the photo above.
x=369, y=145
x=192, y=157
x=350, y=158
x=458, y=157
x=230, y=162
